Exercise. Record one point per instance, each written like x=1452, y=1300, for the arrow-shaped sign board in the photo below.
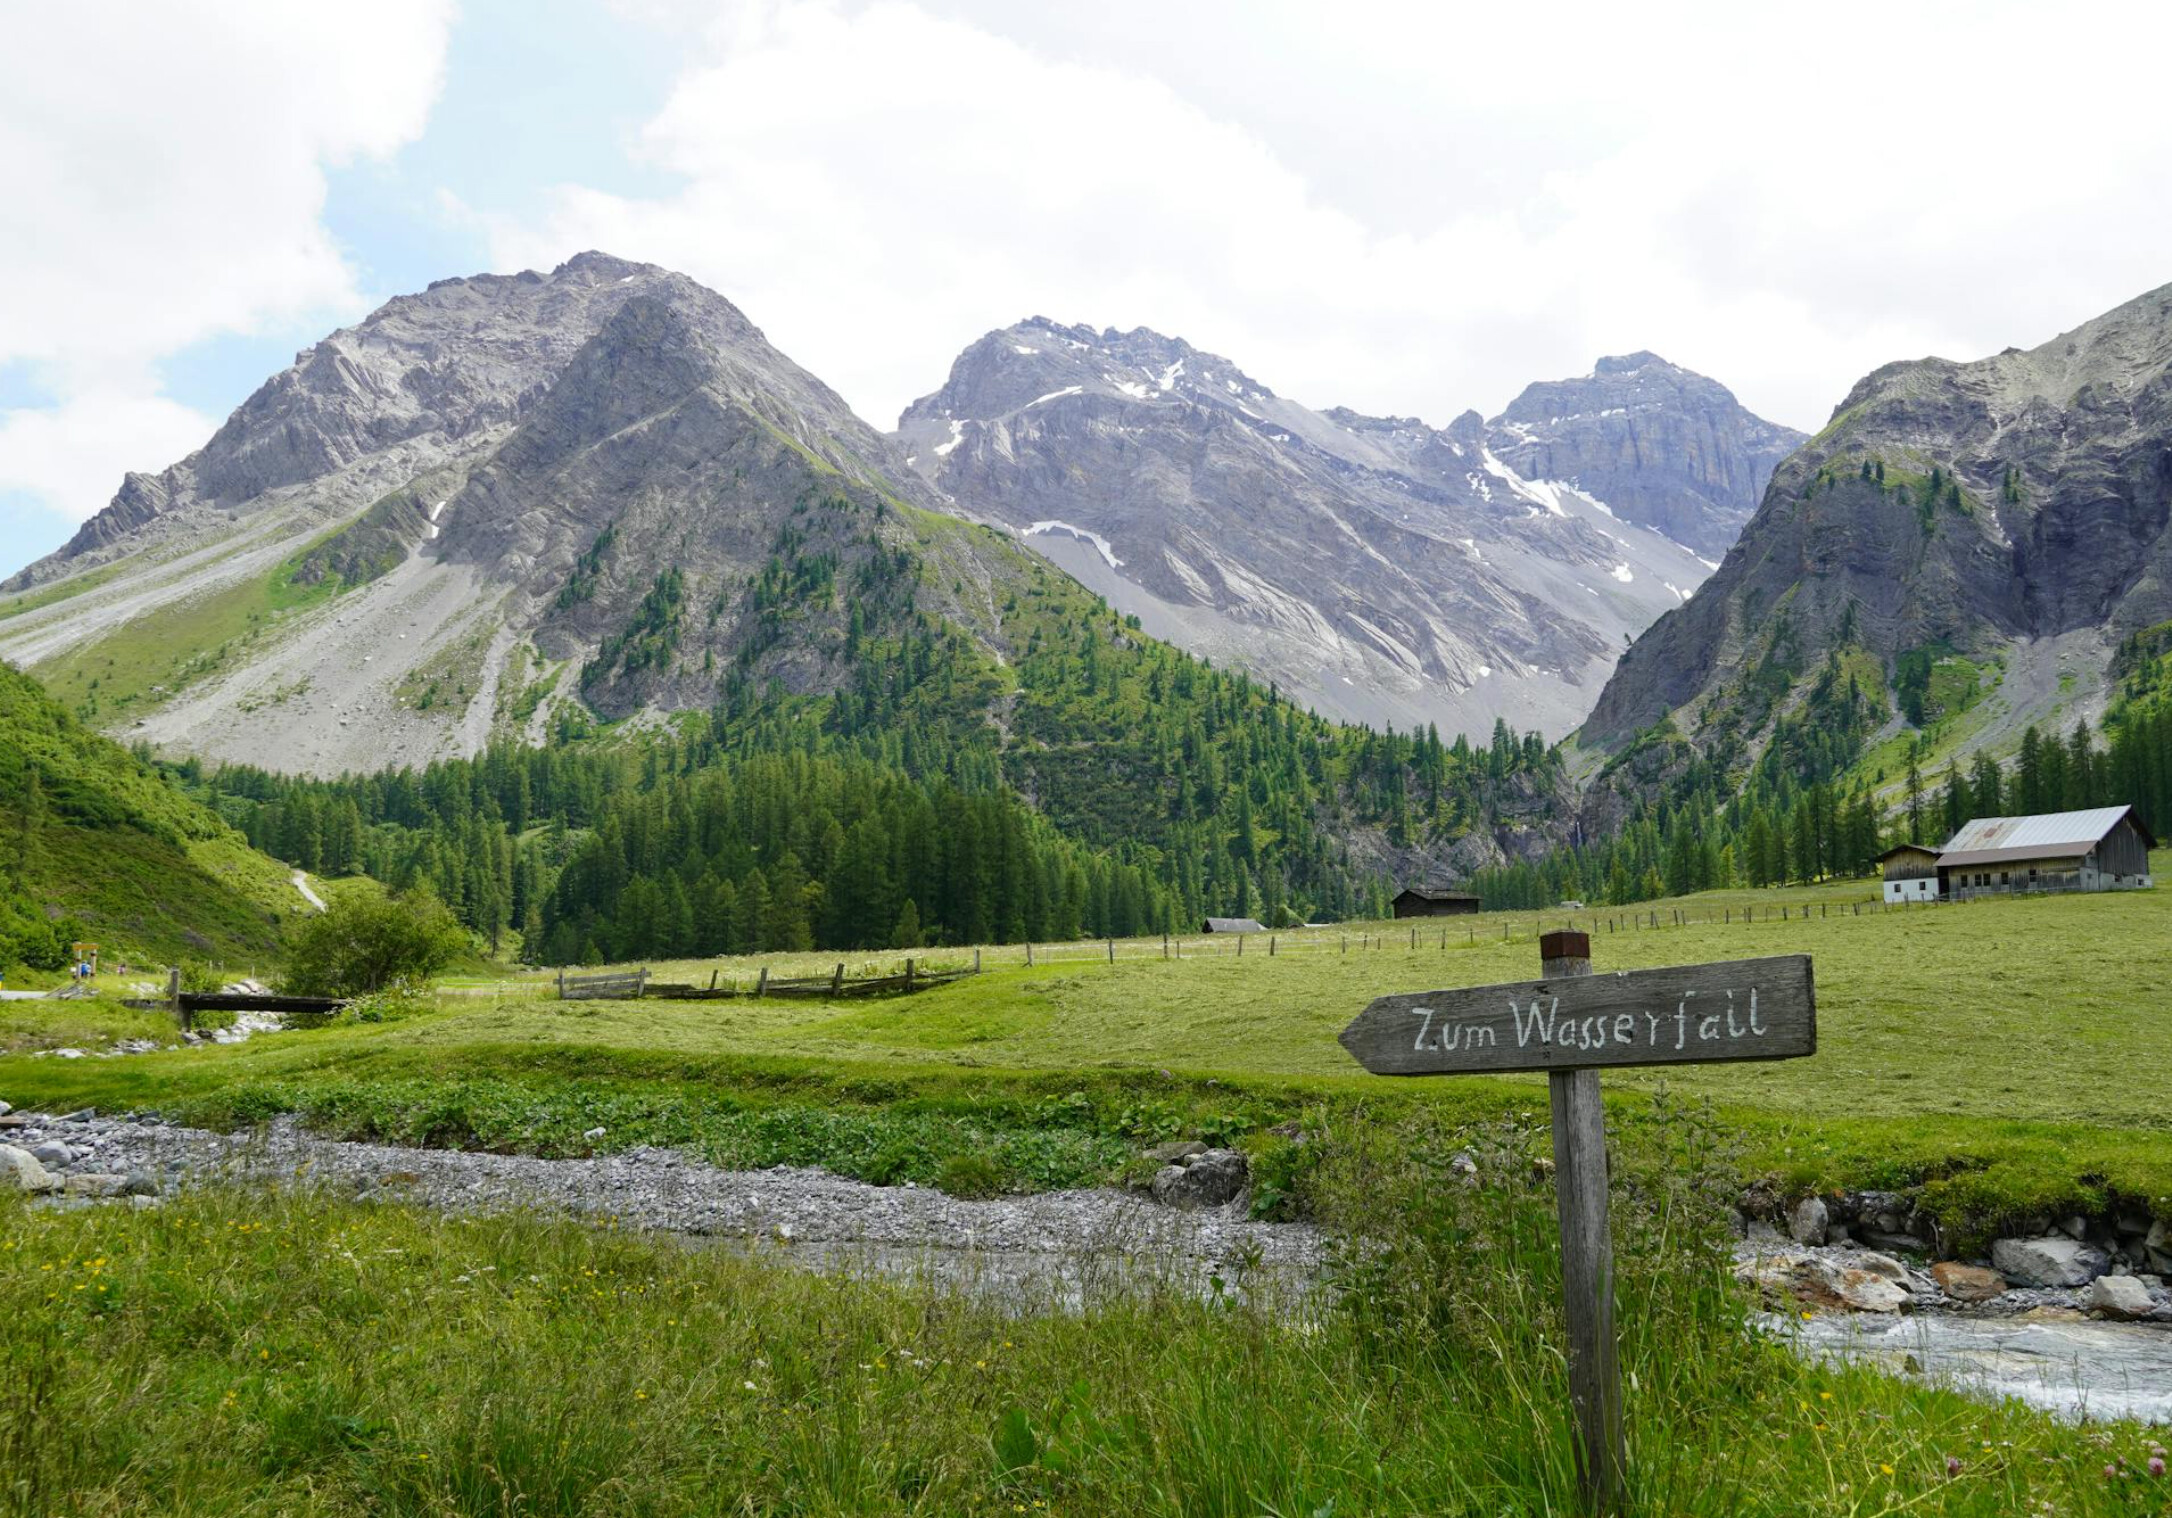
x=1742, y=1009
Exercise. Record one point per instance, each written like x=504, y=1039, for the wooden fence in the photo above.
x=612, y=986
x=832, y=987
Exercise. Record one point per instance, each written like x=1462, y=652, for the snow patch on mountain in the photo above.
x=1084, y=535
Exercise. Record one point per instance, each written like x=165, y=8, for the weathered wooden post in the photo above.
x=561, y=982
x=1571, y=1024
x=641, y=982
x=173, y=998
x=1112, y=951
x=837, y=980
x=976, y=961
x=1240, y=946
x=761, y=982
x=712, y=979
x=908, y=976
x=1414, y=938
x=1029, y=953
x=1270, y=946
x=1587, y=1252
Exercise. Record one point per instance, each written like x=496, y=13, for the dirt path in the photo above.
x=301, y=883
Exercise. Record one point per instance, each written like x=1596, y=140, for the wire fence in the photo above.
x=817, y=975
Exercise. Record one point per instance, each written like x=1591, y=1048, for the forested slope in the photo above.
x=997, y=756
x=95, y=843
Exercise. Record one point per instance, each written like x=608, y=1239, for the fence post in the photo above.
x=1270, y=946
x=1165, y=946
x=712, y=980
x=1240, y=946
x=173, y=997
x=1112, y=951
x=641, y=982
x=561, y=982
x=1029, y=953
x=976, y=961
x=837, y=981
x=761, y=985
x=908, y=975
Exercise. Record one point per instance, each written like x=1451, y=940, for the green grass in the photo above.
x=91, y=1024
x=240, y=1353
x=1980, y=1055
x=61, y=590
x=140, y=664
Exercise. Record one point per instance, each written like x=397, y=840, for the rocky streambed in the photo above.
x=2049, y=1320
x=1065, y=1246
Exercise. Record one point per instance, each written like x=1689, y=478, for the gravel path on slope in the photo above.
x=1072, y=1243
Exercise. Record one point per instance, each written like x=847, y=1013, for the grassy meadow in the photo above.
x=2005, y=1058
x=242, y=1352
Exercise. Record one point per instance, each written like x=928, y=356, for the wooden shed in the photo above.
x=1911, y=872
x=2103, y=849
x=1425, y=901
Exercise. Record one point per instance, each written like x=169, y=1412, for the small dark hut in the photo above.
x=1424, y=901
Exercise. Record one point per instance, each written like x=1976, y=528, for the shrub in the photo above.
x=365, y=943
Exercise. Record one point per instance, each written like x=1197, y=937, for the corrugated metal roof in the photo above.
x=1232, y=925
x=2049, y=835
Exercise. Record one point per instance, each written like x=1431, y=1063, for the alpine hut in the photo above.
x=1425, y=901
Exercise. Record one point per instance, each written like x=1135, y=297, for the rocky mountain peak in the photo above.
x=1374, y=566
x=1661, y=445
x=2012, y=510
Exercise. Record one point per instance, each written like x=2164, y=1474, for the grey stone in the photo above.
x=1807, y=1221
x=2076, y=1227
x=1175, y=1152
x=80, y=1115
x=2048, y=1261
x=140, y=1182
x=1968, y=1283
x=2121, y=1297
x=5, y=1109
x=20, y=1171
x=91, y=1183
x=1824, y=1282
x=1881, y=1265
x=1209, y=1180
x=51, y=1153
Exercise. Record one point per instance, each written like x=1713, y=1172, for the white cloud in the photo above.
x=1404, y=208
x=71, y=456
x=164, y=171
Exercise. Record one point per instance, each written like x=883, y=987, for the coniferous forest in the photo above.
x=1097, y=783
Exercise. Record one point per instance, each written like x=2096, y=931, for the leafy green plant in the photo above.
x=366, y=942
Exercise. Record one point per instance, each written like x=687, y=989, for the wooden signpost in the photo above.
x=1571, y=1024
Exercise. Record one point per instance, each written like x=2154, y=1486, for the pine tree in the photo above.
x=907, y=934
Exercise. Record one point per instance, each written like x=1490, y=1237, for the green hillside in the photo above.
x=971, y=748
x=95, y=843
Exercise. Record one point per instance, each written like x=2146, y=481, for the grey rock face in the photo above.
x=1376, y=568
x=2048, y=1261
x=2044, y=535
x=1662, y=446
x=512, y=465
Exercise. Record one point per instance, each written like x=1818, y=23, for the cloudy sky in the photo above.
x=1406, y=208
